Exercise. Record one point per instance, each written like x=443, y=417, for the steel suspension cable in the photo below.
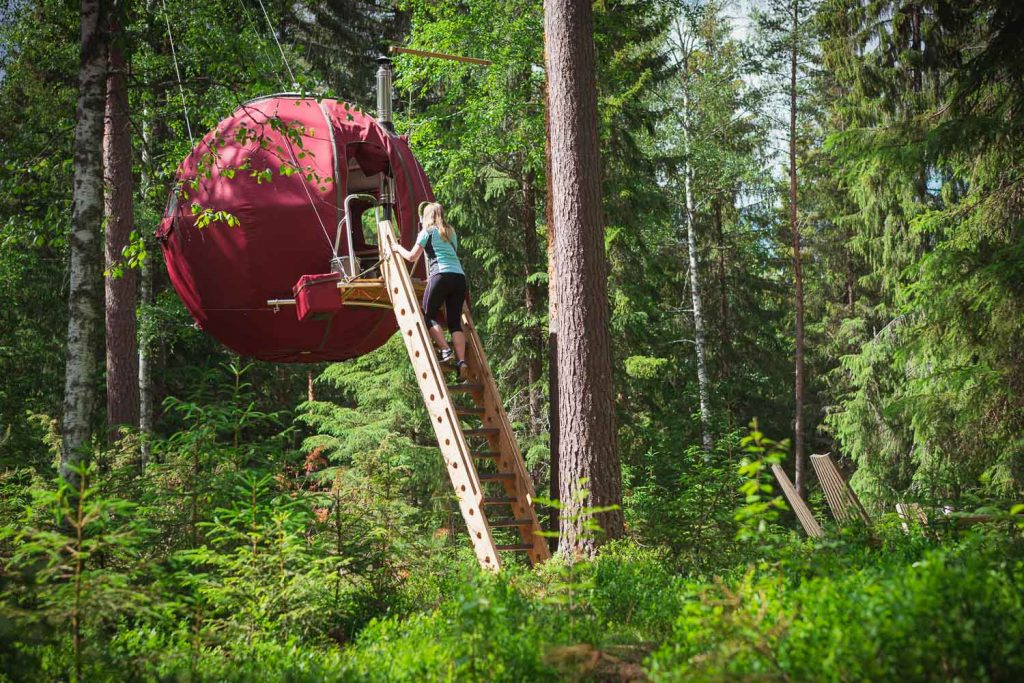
x=177, y=73
x=263, y=49
x=274, y=34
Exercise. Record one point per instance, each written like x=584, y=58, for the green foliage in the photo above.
x=760, y=507
x=255, y=572
x=685, y=503
x=70, y=566
x=954, y=613
x=930, y=404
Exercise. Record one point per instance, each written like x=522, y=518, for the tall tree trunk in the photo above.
x=534, y=333
x=707, y=441
x=554, y=487
x=145, y=299
x=86, y=276
x=587, y=441
x=724, y=334
x=798, y=417
x=724, y=337
x=122, y=346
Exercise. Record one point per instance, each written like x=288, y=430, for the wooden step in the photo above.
x=519, y=547
x=469, y=411
x=480, y=431
x=498, y=500
x=450, y=365
x=465, y=388
x=485, y=454
x=496, y=476
x=508, y=523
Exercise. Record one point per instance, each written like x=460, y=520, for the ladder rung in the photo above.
x=497, y=476
x=515, y=546
x=464, y=388
x=498, y=500
x=480, y=431
x=485, y=454
x=506, y=523
x=469, y=410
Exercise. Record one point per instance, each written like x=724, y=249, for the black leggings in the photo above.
x=448, y=289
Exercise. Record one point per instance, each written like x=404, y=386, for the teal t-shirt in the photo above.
x=442, y=257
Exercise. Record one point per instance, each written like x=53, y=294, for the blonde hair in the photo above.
x=433, y=217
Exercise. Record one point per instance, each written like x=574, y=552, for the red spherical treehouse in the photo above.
x=297, y=174
x=268, y=216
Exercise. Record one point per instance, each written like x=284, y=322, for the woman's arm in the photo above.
x=409, y=255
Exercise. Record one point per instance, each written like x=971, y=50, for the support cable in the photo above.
x=274, y=34
x=305, y=186
x=263, y=48
x=177, y=73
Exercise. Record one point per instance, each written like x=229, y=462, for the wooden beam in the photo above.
x=439, y=55
x=844, y=503
x=803, y=513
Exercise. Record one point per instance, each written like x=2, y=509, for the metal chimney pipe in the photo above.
x=384, y=92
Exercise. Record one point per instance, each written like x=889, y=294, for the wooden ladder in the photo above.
x=483, y=460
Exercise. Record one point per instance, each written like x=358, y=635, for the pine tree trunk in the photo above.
x=86, y=277
x=122, y=346
x=707, y=441
x=798, y=419
x=535, y=335
x=554, y=488
x=587, y=440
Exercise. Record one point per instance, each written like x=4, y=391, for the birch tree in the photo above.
x=85, y=286
x=717, y=153
x=685, y=44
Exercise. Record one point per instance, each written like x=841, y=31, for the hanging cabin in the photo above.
x=299, y=175
x=299, y=279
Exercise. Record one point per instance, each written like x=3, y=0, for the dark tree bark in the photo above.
x=587, y=438
x=86, y=276
x=799, y=464
x=120, y=292
x=535, y=335
x=553, y=431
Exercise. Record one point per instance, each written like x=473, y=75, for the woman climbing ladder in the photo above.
x=447, y=281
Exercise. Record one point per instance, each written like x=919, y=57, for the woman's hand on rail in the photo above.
x=408, y=254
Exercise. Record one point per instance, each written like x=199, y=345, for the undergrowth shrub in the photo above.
x=955, y=614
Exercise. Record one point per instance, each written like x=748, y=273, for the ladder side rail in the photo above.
x=508, y=447
x=803, y=513
x=832, y=495
x=493, y=398
x=433, y=386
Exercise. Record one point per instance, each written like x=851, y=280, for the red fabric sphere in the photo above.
x=287, y=223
